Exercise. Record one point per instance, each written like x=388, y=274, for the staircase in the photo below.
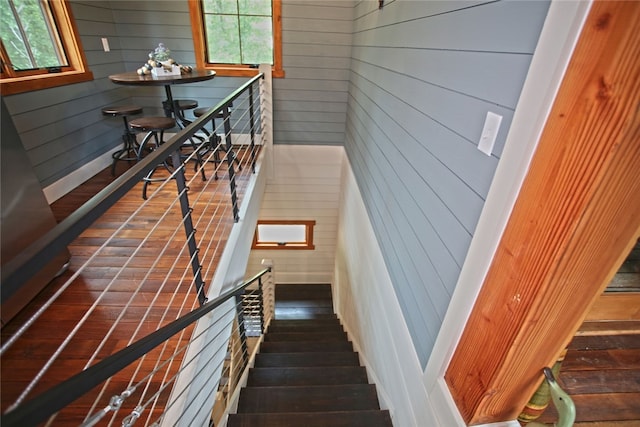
x=307, y=373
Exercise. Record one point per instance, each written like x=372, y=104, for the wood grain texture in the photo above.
x=147, y=293
x=574, y=223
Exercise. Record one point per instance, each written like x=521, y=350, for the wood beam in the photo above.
x=576, y=219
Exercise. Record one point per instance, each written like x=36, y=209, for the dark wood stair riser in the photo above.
x=315, y=419
x=305, y=346
x=307, y=328
x=267, y=377
x=303, y=292
x=308, y=399
x=319, y=359
x=305, y=336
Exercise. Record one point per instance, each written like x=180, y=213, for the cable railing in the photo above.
x=113, y=339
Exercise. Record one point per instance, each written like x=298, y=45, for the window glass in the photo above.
x=233, y=36
x=238, y=31
x=281, y=233
x=284, y=234
x=29, y=35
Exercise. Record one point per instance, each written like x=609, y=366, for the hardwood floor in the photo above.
x=133, y=284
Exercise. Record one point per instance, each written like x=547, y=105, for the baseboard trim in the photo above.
x=67, y=183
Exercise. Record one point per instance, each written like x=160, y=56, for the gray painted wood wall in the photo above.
x=310, y=103
x=423, y=76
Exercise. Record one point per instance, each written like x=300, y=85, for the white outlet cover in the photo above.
x=105, y=44
x=489, y=133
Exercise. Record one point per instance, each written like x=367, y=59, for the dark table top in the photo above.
x=132, y=78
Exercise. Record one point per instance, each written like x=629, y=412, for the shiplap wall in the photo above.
x=423, y=76
x=310, y=103
x=305, y=185
x=62, y=128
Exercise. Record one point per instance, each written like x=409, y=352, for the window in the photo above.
x=39, y=46
x=232, y=36
x=283, y=235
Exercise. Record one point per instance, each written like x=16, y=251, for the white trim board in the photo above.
x=558, y=38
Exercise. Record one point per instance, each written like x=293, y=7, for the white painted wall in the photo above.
x=304, y=185
x=366, y=302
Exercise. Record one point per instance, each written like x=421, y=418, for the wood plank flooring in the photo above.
x=147, y=294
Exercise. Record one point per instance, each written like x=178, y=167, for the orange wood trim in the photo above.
x=197, y=31
x=78, y=70
x=575, y=221
x=277, y=70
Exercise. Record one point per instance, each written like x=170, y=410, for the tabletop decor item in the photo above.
x=160, y=63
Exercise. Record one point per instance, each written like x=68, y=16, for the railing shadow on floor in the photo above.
x=128, y=311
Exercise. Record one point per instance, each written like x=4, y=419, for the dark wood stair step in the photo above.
x=308, y=398
x=310, y=327
x=266, y=377
x=318, y=304
x=305, y=336
x=305, y=291
x=305, y=346
x=305, y=313
x=319, y=359
x=305, y=322
x=369, y=418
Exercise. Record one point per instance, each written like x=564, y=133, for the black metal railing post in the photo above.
x=230, y=156
x=188, y=227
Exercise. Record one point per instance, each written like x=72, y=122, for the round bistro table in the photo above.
x=134, y=79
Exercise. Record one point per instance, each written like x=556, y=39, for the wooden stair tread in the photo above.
x=307, y=359
x=609, y=342
x=320, y=398
x=365, y=418
x=299, y=303
x=281, y=325
x=600, y=407
x=305, y=313
x=305, y=346
x=293, y=376
x=600, y=381
x=308, y=328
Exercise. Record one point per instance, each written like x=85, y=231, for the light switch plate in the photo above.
x=105, y=44
x=489, y=133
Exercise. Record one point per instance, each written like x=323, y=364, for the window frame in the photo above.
x=14, y=82
x=241, y=70
x=306, y=245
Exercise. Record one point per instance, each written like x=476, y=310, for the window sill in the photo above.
x=15, y=85
x=230, y=71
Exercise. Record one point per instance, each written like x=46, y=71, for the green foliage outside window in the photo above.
x=29, y=35
x=238, y=31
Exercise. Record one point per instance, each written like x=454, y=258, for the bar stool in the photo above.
x=155, y=128
x=215, y=140
x=179, y=107
x=129, y=150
